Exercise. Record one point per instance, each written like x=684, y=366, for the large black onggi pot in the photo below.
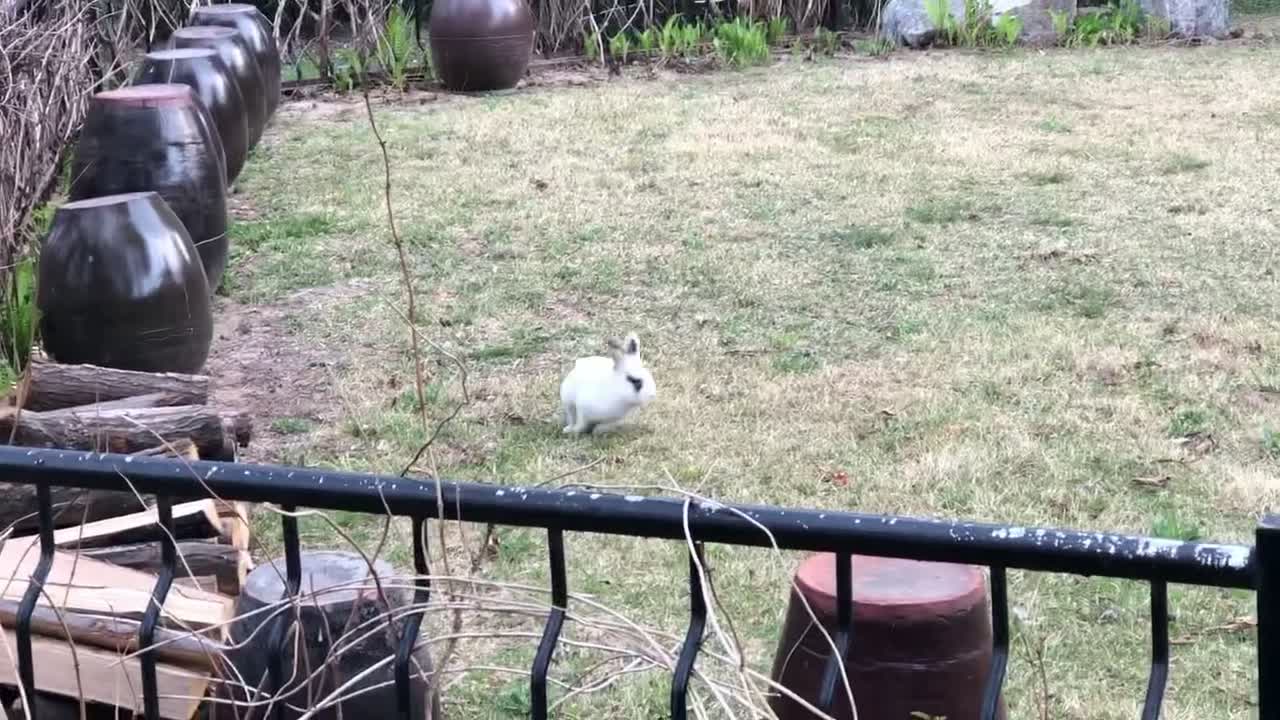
x=481, y=44
x=254, y=28
x=235, y=52
x=161, y=138
x=204, y=72
x=120, y=285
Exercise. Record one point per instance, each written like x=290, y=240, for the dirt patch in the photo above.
x=261, y=364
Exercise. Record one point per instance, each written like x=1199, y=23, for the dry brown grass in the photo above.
x=1002, y=287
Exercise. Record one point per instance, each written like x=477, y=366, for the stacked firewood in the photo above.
x=109, y=551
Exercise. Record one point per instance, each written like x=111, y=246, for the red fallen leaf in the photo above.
x=839, y=478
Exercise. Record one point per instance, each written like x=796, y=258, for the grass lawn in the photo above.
x=1035, y=288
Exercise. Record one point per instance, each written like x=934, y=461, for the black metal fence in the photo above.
x=1156, y=561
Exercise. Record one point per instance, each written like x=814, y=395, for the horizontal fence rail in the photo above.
x=693, y=521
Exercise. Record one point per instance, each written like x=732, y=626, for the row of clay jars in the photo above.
x=128, y=267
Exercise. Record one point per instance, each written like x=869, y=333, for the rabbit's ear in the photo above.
x=615, y=350
x=632, y=344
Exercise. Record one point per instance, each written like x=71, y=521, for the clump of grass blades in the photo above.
x=741, y=42
x=19, y=318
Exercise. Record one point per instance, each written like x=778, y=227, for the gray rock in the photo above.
x=1193, y=18
x=906, y=22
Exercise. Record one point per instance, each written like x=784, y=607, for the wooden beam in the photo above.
x=196, y=519
x=101, y=676
x=118, y=635
x=82, y=584
x=226, y=563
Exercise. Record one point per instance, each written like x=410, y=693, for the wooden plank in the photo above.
x=195, y=519
x=82, y=584
x=118, y=635
x=104, y=677
x=224, y=562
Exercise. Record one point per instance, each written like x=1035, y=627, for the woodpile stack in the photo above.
x=109, y=542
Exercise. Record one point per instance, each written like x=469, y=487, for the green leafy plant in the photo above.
x=875, y=47
x=776, y=30
x=647, y=41
x=396, y=49
x=1120, y=22
x=741, y=42
x=695, y=34
x=591, y=46
x=975, y=28
x=1271, y=442
x=671, y=38
x=939, y=12
x=825, y=41
x=350, y=70
x=19, y=317
x=1061, y=23
x=620, y=46
x=1008, y=28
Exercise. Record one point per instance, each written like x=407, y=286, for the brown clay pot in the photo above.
x=235, y=52
x=481, y=45
x=921, y=640
x=256, y=31
x=204, y=72
x=158, y=137
x=120, y=285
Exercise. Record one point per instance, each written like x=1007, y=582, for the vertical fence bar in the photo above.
x=413, y=623
x=151, y=618
x=844, y=630
x=26, y=667
x=284, y=620
x=692, y=638
x=555, y=621
x=1159, y=650
x=1267, y=562
x=1000, y=642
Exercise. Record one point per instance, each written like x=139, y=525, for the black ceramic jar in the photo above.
x=121, y=285
x=235, y=52
x=204, y=72
x=254, y=28
x=161, y=138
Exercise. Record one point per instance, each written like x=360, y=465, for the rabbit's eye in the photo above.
x=636, y=382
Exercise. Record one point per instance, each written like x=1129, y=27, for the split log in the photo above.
x=84, y=585
x=235, y=523
x=49, y=386
x=118, y=635
x=226, y=564
x=197, y=519
x=72, y=506
x=131, y=430
x=103, y=677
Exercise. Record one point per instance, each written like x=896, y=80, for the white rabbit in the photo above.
x=599, y=392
